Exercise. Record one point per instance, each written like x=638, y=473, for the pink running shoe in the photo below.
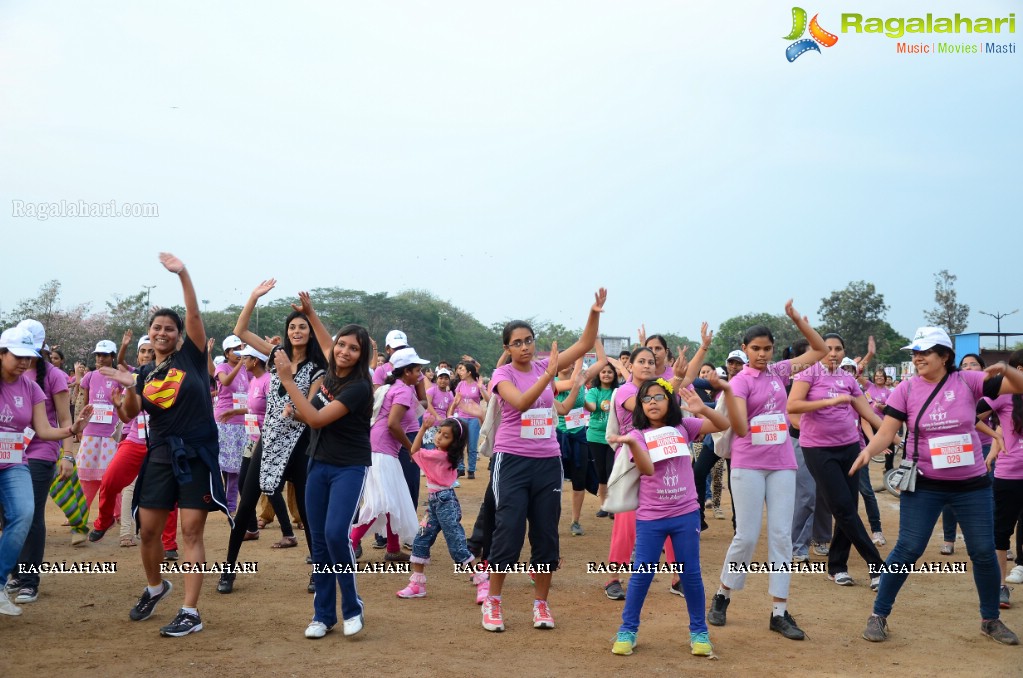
x=542, y=618
x=482, y=582
x=493, y=619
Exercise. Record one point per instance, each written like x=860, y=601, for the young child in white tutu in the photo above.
x=387, y=504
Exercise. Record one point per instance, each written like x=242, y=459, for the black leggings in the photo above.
x=830, y=467
x=701, y=469
x=1008, y=496
x=603, y=459
x=483, y=531
x=295, y=471
x=276, y=500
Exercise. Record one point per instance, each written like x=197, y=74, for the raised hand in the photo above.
x=126, y=338
x=680, y=365
x=792, y=313
x=284, y=366
x=121, y=375
x=209, y=345
x=264, y=287
x=706, y=336
x=716, y=383
x=871, y=346
x=599, y=297
x=641, y=333
x=552, y=365
x=171, y=262
x=690, y=401
x=305, y=305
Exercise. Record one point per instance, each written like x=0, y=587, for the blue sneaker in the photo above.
x=624, y=642
x=700, y=644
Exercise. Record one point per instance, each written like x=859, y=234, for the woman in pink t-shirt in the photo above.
x=527, y=473
x=763, y=470
x=230, y=409
x=98, y=443
x=943, y=457
x=830, y=404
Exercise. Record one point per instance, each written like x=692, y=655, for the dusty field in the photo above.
x=80, y=622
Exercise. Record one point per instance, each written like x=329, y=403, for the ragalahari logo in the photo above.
x=818, y=35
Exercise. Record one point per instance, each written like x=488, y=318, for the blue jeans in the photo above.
x=332, y=496
x=948, y=516
x=19, y=507
x=918, y=514
x=685, y=539
x=473, y=425
x=32, y=551
x=443, y=513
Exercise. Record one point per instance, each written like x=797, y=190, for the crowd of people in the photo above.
x=351, y=432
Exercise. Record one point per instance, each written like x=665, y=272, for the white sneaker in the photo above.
x=353, y=625
x=317, y=629
x=1015, y=576
x=879, y=539
x=6, y=606
x=842, y=579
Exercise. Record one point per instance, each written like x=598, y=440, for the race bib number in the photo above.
x=769, y=429
x=12, y=447
x=102, y=413
x=577, y=417
x=666, y=443
x=537, y=423
x=239, y=401
x=951, y=451
x=252, y=424
x=142, y=422
x=29, y=435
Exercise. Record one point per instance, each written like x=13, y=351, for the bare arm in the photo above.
x=394, y=418
x=323, y=335
x=523, y=401
x=882, y=439
x=866, y=412
x=589, y=335
x=193, y=320
x=639, y=456
x=817, y=348
x=241, y=327
x=125, y=340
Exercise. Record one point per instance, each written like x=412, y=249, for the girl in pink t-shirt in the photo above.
x=444, y=512
x=98, y=443
x=763, y=470
x=668, y=504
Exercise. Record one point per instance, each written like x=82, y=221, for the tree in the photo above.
x=856, y=313
x=729, y=336
x=949, y=314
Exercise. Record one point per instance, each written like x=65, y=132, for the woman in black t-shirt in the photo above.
x=340, y=453
x=181, y=466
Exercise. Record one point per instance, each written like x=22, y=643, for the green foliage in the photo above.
x=728, y=337
x=948, y=313
x=858, y=312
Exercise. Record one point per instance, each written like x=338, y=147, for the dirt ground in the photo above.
x=80, y=621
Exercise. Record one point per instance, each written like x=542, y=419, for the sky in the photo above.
x=512, y=157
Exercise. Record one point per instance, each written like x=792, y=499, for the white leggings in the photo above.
x=751, y=488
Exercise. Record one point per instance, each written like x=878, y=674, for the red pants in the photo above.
x=123, y=469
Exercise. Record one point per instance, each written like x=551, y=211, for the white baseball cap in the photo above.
x=396, y=339
x=849, y=362
x=737, y=355
x=231, y=341
x=106, y=346
x=143, y=340
x=35, y=328
x=443, y=372
x=219, y=360
x=928, y=337
x=721, y=372
x=406, y=357
x=19, y=342
x=250, y=351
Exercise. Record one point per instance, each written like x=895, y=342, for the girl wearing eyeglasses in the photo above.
x=527, y=472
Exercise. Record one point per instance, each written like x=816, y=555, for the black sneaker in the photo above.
x=13, y=586
x=379, y=542
x=602, y=513
x=27, y=594
x=143, y=609
x=461, y=473
x=786, y=626
x=311, y=588
x=96, y=535
x=676, y=588
x=226, y=583
x=718, y=606
x=170, y=555
x=614, y=591
x=183, y=624
x=472, y=475
x=358, y=554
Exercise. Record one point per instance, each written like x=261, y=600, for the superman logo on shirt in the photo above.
x=164, y=392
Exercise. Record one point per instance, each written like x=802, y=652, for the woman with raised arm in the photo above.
x=527, y=471
x=831, y=403
x=338, y=456
x=280, y=454
x=939, y=407
x=181, y=466
x=763, y=469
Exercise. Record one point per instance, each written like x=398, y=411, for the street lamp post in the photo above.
x=998, y=318
x=148, y=289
